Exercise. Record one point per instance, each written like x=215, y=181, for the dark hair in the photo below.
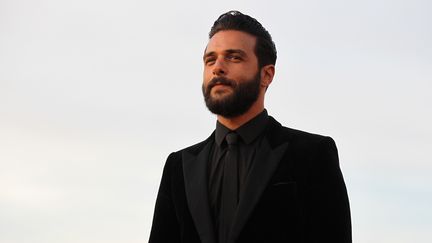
x=265, y=49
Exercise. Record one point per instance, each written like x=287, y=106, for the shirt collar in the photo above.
x=248, y=131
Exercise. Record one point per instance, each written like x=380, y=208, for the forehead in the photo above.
x=231, y=39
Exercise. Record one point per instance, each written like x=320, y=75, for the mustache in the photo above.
x=220, y=80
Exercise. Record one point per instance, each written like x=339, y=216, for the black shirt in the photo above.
x=250, y=139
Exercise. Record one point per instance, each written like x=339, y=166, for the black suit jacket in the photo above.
x=295, y=193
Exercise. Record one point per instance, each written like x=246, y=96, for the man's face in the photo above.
x=231, y=75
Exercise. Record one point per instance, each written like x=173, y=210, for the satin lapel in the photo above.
x=264, y=166
x=195, y=177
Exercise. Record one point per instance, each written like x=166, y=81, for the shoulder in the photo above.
x=309, y=152
x=194, y=149
x=278, y=134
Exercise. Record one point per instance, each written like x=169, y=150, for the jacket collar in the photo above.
x=196, y=181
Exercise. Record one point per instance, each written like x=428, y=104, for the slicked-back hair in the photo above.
x=265, y=49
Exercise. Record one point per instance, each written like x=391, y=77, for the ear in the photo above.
x=267, y=74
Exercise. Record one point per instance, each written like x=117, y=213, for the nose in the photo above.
x=219, y=68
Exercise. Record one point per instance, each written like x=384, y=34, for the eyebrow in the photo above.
x=229, y=51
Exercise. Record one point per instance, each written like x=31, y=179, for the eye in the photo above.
x=235, y=58
x=209, y=61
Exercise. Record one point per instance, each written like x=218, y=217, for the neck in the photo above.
x=235, y=122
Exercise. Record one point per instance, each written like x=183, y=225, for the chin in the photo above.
x=219, y=96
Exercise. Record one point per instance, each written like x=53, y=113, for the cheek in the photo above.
x=207, y=76
x=205, y=80
x=204, y=84
x=207, y=70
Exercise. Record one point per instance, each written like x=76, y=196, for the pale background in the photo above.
x=95, y=94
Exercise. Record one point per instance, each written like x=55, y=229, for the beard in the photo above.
x=243, y=95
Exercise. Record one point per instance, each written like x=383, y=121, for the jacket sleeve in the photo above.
x=165, y=227
x=327, y=213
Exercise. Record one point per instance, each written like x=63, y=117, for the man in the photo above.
x=252, y=180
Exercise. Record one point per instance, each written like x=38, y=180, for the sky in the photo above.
x=94, y=95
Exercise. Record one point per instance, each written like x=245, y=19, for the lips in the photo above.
x=216, y=83
x=220, y=86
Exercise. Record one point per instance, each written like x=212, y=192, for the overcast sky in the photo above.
x=95, y=94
